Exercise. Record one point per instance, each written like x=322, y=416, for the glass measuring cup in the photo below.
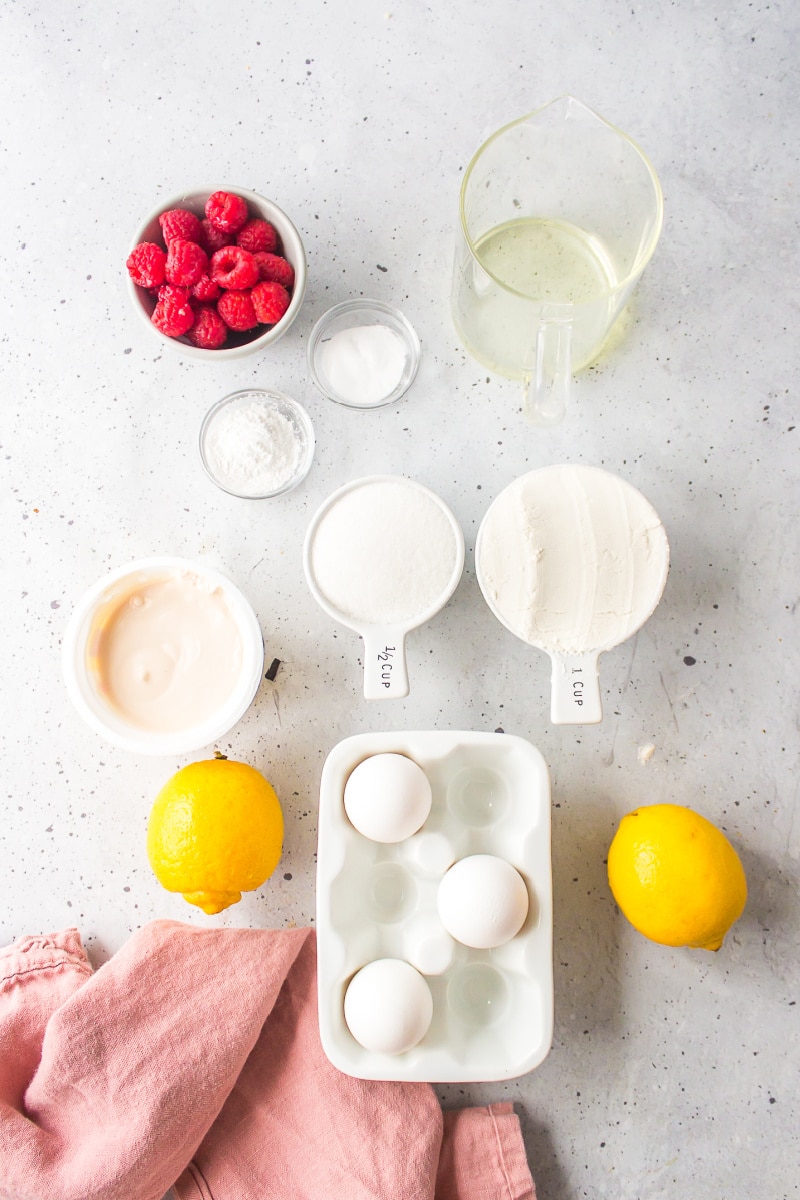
x=560, y=212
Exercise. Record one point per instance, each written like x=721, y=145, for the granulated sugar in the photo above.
x=384, y=553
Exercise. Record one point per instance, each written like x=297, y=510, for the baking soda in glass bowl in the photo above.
x=363, y=354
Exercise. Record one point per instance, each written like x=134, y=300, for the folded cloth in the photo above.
x=192, y=1059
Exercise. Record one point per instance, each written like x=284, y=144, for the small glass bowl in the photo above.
x=355, y=313
x=293, y=412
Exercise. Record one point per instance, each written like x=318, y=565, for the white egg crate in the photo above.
x=492, y=1009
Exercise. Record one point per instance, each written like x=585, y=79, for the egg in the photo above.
x=387, y=797
x=482, y=901
x=388, y=1006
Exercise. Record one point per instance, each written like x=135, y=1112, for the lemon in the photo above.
x=215, y=831
x=676, y=877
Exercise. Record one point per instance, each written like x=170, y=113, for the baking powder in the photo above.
x=252, y=448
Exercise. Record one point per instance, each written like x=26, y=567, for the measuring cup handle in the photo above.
x=547, y=386
x=575, y=690
x=385, y=670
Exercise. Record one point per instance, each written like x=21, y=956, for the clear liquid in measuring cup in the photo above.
x=543, y=262
x=550, y=261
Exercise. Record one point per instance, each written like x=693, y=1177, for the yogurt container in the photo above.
x=162, y=656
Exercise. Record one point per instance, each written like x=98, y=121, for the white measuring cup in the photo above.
x=572, y=560
x=349, y=524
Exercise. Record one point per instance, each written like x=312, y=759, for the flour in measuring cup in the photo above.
x=572, y=558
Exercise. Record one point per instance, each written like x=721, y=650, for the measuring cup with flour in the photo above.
x=383, y=555
x=572, y=560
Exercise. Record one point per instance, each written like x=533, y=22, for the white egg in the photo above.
x=482, y=901
x=387, y=797
x=388, y=1006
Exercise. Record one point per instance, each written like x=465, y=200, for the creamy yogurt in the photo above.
x=165, y=652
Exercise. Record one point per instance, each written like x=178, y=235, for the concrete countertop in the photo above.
x=672, y=1072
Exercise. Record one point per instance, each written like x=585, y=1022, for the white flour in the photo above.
x=384, y=553
x=252, y=448
x=573, y=558
x=364, y=364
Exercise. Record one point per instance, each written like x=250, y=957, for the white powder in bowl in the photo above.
x=252, y=448
x=364, y=364
x=572, y=558
x=384, y=553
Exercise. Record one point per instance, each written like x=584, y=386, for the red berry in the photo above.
x=237, y=311
x=270, y=301
x=234, y=268
x=186, y=262
x=205, y=289
x=258, y=235
x=173, y=314
x=180, y=223
x=275, y=269
x=146, y=263
x=209, y=330
x=226, y=211
x=213, y=239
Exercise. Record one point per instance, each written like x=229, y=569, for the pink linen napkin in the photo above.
x=192, y=1058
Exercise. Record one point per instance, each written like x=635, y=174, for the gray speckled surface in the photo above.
x=672, y=1072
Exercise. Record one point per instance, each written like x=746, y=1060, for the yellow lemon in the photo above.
x=676, y=877
x=215, y=831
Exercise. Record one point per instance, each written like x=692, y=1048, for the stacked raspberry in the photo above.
x=224, y=273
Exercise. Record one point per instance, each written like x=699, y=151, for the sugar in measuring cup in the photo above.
x=383, y=555
x=560, y=212
x=572, y=560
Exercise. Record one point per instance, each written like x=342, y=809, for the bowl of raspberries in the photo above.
x=218, y=274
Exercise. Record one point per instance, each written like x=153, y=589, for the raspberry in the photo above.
x=180, y=223
x=209, y=330
x=186, y=262
x=226, y=211
x=213, y=239
x=236, y=310
x=146, y=263
x=275, y=269
x=270, y=301
x=173, y=313
x=205, y=289
x=234, y=268
x=258, y=235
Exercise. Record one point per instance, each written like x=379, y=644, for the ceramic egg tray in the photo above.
x=492, y=1009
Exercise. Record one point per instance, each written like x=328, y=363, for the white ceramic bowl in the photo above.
x=82, y=683
x=239, y=344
